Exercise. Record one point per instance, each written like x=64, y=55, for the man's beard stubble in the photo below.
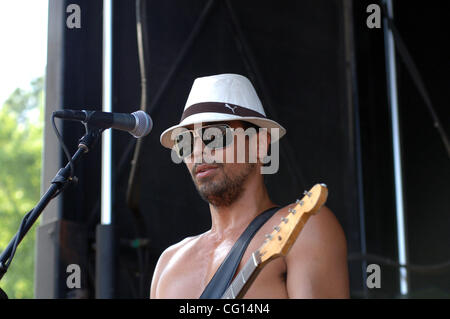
x=223, y=192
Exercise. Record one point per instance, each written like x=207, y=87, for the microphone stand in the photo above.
x=58, y=184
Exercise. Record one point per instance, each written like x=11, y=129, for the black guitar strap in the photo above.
x=223, y=276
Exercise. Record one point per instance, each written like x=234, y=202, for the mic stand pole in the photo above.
x=59, y=183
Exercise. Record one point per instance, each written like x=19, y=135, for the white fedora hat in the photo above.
x=219, y=98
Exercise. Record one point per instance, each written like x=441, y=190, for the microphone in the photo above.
x=137, y=123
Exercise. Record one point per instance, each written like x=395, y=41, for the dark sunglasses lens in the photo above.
x=216, y=136
x=184, y=144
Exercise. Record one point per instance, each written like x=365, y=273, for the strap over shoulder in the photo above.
x=223, y=276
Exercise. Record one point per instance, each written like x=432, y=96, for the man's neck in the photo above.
x=231, y=220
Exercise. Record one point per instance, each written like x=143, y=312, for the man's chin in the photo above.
x=206, y=187
x=209, y=190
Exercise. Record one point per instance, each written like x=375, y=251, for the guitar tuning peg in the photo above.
x=284, y=219
x=300, y=202
x=277, y=228
x=269, y=236
x=307, y=193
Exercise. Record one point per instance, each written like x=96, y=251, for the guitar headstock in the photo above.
x=280, y=240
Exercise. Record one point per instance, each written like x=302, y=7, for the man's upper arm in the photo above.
x=317, y=263
x=159, y=268
x=164, y=263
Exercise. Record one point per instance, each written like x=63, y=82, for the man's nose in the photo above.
x=198, y=149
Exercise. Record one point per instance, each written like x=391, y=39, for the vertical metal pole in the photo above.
x=398, y=179
x=107, y=107
x=352, y=97
x=105, y=238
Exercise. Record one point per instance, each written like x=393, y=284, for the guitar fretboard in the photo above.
x=243, y=279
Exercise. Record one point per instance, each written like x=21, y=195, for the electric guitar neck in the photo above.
x=279, y=241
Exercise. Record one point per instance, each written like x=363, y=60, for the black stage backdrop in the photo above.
x=294, y=55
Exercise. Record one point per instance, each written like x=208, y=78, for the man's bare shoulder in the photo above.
x=323, y=228
x=166, y=258
x=320, y=255
x=170, y=251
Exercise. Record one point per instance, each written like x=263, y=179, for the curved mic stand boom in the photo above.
x=62, y=179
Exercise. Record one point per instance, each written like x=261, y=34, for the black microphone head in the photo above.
x=144, y=124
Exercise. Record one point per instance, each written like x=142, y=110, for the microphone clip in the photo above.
x=91, y=136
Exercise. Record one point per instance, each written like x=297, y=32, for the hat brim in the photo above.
x=167, y=140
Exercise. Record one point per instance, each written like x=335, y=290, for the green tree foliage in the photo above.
x=21, y=139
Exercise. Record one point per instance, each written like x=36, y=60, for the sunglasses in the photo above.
x=215, y=136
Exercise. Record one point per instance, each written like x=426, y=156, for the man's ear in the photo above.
x=263, y=144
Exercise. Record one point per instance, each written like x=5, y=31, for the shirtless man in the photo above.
x=316, y=265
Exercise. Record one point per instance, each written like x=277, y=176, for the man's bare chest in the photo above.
x=192, y=267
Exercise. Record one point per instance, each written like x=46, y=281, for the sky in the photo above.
x=23, y=43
